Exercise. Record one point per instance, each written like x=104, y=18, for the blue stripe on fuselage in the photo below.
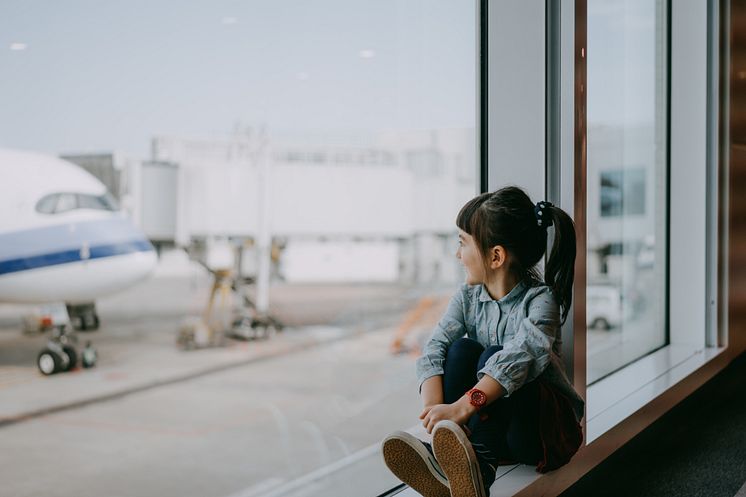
x=61, y=244
x=39, y=261
x=67, y=236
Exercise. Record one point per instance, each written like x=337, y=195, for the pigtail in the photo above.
x=559, y=272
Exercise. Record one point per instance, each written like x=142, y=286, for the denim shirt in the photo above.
x=526, y=322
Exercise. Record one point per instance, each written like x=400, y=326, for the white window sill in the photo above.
x=616, y=397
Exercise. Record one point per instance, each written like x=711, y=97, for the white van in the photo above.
x=603, y=307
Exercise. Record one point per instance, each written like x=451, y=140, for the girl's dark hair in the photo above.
x=507, y=217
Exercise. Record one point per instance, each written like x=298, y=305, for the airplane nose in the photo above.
x=116, y=256
x=127, y=270
x=138, y=258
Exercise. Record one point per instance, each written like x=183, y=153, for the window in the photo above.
x=627, y=176
x=47, y=204
x=57, y=203
x=65, y=202
x=340, y=132
x=96, y=202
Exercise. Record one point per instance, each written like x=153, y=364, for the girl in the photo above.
x=500, y=394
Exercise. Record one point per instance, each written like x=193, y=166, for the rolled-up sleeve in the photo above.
x=450, y=328
x=528, y=352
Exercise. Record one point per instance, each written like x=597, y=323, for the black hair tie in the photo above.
x=543, y=219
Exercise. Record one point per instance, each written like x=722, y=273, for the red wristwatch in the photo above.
x=477, y=398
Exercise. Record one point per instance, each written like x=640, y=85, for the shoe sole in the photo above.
x=411, y=462
x=458, y=460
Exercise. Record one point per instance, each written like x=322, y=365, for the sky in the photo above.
x=82, y=75
x=87, y=75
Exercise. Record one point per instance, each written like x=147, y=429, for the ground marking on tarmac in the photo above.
x=14, y=375
x=259, y=488
x=310, y=477
x=320, y=473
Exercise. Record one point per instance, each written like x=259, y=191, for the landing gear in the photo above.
x=55, y=358
x=72, y=356
x=83, y=317
x=60, y=354
x=49, y=362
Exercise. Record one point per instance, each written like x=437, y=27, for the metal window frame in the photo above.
x=482, y=44
x=565, y=167
x=579, y=195
x=712, y=297
x=723, y=170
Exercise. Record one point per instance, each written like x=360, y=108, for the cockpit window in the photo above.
x=47, y=204
x=56, y=203
x=65, y=202
x=101, y=202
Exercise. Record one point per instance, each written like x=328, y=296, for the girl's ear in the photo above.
x=498, y=256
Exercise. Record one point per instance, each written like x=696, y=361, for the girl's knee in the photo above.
x=489, y=352
x=464, y=348
x=463, y=351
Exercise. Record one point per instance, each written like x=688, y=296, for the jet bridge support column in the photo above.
x=264, y=236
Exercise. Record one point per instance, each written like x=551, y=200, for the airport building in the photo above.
x=202, y=193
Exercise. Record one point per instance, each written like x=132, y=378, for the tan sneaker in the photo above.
x=456, y=456
x=408, y=458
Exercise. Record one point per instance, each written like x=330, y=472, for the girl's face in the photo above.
x=469, y=255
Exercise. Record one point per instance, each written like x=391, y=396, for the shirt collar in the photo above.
x=514, y=294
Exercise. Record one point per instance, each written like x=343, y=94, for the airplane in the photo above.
x=64, y=239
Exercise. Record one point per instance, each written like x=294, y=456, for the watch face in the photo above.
x=478, y=398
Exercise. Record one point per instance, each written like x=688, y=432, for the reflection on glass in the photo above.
x=626, y=182
x=623, y=192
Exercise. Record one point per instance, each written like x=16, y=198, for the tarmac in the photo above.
x=299, y=413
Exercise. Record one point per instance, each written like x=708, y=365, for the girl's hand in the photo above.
x=458, y=412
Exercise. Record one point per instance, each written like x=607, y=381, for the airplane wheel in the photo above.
x=72, y=355
x=49, y=362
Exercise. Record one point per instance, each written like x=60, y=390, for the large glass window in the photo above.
x=627, y=171
x=307, y=155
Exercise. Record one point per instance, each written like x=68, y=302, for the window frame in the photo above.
x=566, y=181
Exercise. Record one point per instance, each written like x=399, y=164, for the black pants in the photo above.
x=511, y=430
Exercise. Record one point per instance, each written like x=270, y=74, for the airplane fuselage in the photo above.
x=61, y=237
